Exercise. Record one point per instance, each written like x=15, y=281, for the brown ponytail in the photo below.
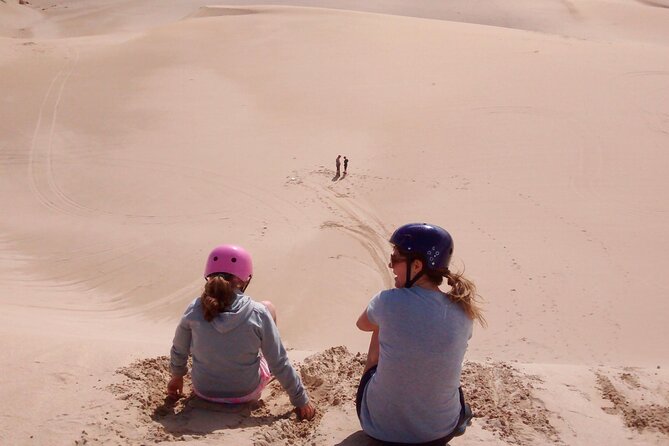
x=463, y=292
x=217, y=296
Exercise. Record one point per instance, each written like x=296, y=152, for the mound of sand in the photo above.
x=331, y=378
x=502, y=399
x=638, y=413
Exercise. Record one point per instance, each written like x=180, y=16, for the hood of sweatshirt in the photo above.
x=239, y=312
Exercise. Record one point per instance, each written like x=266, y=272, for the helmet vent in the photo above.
x=215, y=258
x=431, y=243
x=233, y=260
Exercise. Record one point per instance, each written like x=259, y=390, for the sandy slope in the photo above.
x=135, y=135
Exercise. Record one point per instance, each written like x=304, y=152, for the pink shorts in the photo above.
x=265, y=378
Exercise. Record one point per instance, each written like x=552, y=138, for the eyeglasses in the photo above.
x=394, y=260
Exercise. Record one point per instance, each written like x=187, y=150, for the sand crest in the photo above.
x=504, y=398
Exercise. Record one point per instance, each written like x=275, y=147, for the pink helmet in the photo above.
x=229, y=259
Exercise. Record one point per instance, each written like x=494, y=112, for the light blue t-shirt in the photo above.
x=413, y=397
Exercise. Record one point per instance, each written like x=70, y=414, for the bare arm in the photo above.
x=365, y=324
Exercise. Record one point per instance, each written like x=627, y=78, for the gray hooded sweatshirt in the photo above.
x=225, y=351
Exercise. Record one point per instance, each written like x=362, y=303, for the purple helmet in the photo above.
x=431, y=243
x=229, y=259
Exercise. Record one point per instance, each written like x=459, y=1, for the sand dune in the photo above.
x=601, y=20
x=136, y=135
x=218, y=11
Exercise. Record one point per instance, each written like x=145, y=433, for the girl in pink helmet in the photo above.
x=233, y=340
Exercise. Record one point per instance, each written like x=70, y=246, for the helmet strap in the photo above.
x=409, y=282
x=247, y=283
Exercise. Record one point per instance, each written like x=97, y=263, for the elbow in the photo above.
x=365, y=325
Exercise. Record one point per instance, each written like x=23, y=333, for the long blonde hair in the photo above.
x=463, y=292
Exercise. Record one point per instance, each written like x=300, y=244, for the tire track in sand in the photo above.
x=40, y=165
x=360, y=223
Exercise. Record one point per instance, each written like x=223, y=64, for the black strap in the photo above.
x=409, y=282
x=247, y=283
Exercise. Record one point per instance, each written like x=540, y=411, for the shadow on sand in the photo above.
x=196, y=416
x=358, y=438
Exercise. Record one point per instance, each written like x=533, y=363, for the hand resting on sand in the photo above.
x=175, y=387
x=306, y=412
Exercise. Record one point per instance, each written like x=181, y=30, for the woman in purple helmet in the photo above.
x=410, y=392
x=226, y=332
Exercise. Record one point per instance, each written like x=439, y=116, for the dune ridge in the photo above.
x=218, y=11
x=507, y=401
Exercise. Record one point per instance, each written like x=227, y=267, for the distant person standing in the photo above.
x=338, y=163
x=345, y=165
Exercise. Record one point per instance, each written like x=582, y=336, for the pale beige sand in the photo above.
x=134, y=136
